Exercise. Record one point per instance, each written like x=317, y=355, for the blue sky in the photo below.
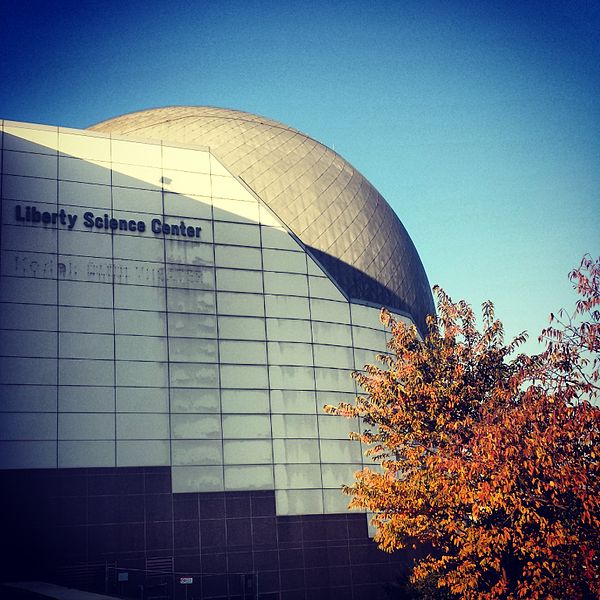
x=479, y=122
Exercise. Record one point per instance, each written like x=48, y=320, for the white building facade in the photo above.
x=157, y=314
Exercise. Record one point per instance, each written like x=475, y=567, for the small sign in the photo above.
x=186, y=580
x=122, y=576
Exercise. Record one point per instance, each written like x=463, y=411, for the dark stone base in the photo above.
x=122, y=531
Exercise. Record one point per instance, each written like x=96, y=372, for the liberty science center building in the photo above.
x=182, y=291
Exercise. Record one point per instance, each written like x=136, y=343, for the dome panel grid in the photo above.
x=337, y=214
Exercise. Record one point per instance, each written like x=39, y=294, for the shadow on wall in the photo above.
x=367, y=287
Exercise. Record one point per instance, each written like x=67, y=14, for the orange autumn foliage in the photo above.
x=492, y=462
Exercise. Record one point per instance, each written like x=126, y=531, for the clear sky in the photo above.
x=478, y=121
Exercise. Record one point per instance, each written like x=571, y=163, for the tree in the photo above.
x=491, y=461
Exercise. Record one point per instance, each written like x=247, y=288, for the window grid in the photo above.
x=325, y=305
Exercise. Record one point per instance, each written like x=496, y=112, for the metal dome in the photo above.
x=336, y=213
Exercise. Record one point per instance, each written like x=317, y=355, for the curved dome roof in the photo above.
x=336, y=213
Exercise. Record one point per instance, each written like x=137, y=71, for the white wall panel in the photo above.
x=335, y=380
x=268, y=218
x=335, y=502
x=22, y=237
x=331, y=333
x=28, y=426
x=298, y=476
x=38, y=138
x=248, y=478
x=142, y=400
x=245, y=401
x=28, y=343
x=134, y=176
x=139, y=297
x=191, y=350
x=334, y=356
x=25, y=163
x=27, y=398
x=290, y=307
x=197, y=452
x=129, y=199
x=369, y=338
x=284, y=261
x=237, y=257
x=336, y=475
x=193, y=326
x=292, y=378
x=236, y=234
x=192, y=400
x=188, y=252
x=293, y=401
x=299, y=502
x=237, y=211
x=196, y=427
x=340, y=451
x=324, y=288
x=247, y=452
x=140, y=347
x=190, y=206
x=290, y=353
x=244, y=376
x=132, y=373
x=242, y=353
x=86, y=345
x=294, y=426
x=190, y=276
x=83, y=320
x=86, y=426
x=83, y=146
x=314, y=268
x=365, y=316
x=142, y=426
x=184, y=182
x=241, y=328
x=28, y=454
x=85, y=372
x=142, y=453
x=336, y=428
x=191, y=375
x=197, y=479
x=329, y=310
x=29, y=189
x=191, y=301
x=136, y=153
x=364, y=357
x=89, y=195
x=29, y=370
x=235, y=280
x=184, y=159
x=78, y=293
x=28, y=290
x=29, y=264
x=273, y=237
x=86, y=398
x=140, y=322
x=230, y=187
x=86, y=453
x=296, y=451
x=286, y=283
x=234, y=303
x=83, y=171
x=246, y=426
x=288, y=330
x=217, y=168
